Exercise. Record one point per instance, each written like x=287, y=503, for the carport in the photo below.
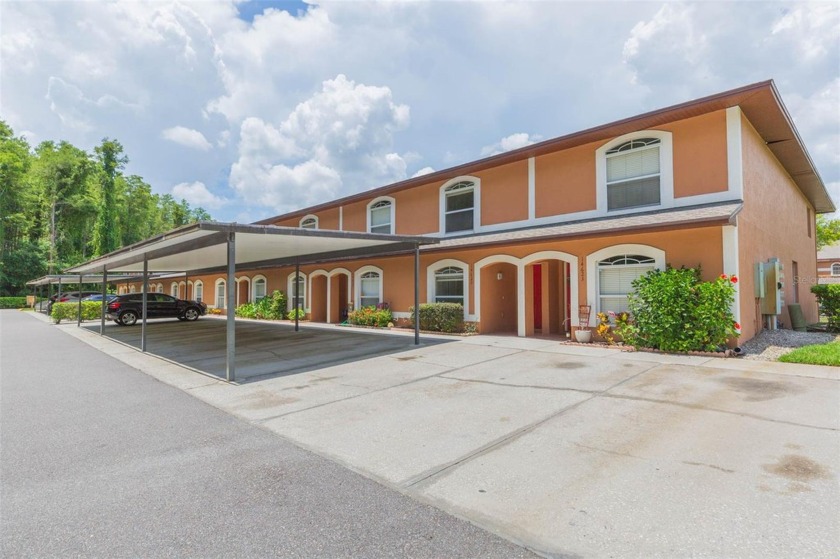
x=212, y=247
x=65, y=279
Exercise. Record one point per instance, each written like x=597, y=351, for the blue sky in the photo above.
x=251, y=109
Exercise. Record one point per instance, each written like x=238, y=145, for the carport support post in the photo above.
x=104, y=302
x=145, y=302
x=417, y=294
x=231, y=312
x=79, y=318
x=297, y=294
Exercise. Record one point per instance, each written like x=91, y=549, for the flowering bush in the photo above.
x=673, y=310
x=371, y=316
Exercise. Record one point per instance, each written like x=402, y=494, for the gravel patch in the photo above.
x=769, y=345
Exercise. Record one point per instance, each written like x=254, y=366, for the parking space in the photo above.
x=263, y=349
x=570, y=450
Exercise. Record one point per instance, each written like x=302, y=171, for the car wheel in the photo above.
x=191, y=314
x=128, y=318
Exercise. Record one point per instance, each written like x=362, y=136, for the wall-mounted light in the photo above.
x=499, y=276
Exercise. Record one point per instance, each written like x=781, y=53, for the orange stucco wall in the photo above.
x=418, y=210
x=565, y=181
x=504, y=193
x=773, y=223
x=699, y=154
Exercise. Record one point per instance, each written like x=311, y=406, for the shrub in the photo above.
x=91, y=310
x=248, y=310
x=273, y=307
x=371, y=316
x=673, y=310
x=301, y=314
x=828, y=297
x=12, y=302
x=440, y=317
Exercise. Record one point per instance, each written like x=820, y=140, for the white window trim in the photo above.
x=357, y=284
x=476, y=206
x=592, y=277
x=196, y=285
x=833, y=273
x=175, y=289
x=253, y=290
x=310, y=216
x=432, y=269
x=290, y=291
x=220, y=281
x=666, y=171
x=393, y=212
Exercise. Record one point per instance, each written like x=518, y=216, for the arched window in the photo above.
x=198, y=291
x=300, y=303
x=835, y=269
x=370, y=288
x=615, y=279
x=309, y=222
x=259, y=288
x=459, y=205
x=449, y=285
x=132, y=289
x=173, y=289
x=221, y=293
x=160, y=288
x=633, y=174
x=381, y=216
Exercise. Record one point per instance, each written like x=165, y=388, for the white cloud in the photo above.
x=812, y=27
x=197, y=194
x=187, y=137
x=423, y=171
x=514, y=141
x=336, y=142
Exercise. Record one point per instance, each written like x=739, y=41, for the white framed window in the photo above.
x=132, y=289
x=835, y=269
x=449, y=285
x=380, y=215
x=290, y=296
x=221, y=293
x=198, y=291
x=309, y=222
x=173, y=289
x=160, y=288
x=615, y=279
x=368, y=281
x=635, y=171
x=259, y=288
x=460, y=206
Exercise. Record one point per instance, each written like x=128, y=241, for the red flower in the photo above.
x=734, y=279
x=724, y=276
x=737, y=326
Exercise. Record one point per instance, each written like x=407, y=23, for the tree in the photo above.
x=111, y=160
x=828, y=231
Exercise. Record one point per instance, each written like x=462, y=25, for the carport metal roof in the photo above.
x=202, y=246
x=74, y=278
x=208, y=246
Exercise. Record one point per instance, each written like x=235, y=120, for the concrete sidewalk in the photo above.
x=570, y=450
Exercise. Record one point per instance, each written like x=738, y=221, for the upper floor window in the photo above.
x=835, y=269
x=309, y=222
x=459, y=207
x=633, y=174
x=381, y=216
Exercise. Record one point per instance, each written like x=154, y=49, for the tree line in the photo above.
x=61, y=205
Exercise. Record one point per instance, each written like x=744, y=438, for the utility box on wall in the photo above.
x=774, y=287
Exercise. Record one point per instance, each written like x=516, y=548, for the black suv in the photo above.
x=125, y=310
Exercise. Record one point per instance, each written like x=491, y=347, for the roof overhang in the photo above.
x=203, y=246
x=74, y=278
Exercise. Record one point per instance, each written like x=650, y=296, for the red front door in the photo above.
x=537, y=296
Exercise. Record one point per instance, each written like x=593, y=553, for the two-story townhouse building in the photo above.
x=527, y=236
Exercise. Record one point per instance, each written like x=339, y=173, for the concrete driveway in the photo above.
x=571, y=451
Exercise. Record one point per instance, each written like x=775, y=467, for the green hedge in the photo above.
x=828, y=297
x=91, y=310
x=673, y=310
x=371, y=316
x=440, y=317
x=12, y=302
x=267, y=308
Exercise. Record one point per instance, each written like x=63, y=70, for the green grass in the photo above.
x=821, y=354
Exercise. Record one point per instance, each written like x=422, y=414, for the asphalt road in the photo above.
x=100, y=460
